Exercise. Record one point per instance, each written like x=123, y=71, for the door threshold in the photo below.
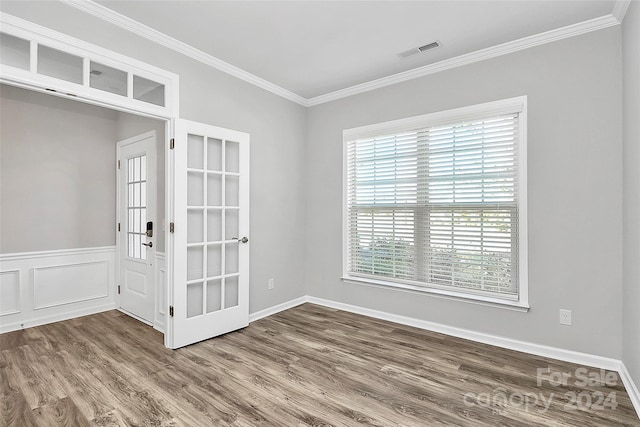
x=138, y=318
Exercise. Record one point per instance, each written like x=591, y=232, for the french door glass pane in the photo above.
x=214, y=225
x=214, y=155
x=231, y=226
x=194, y=299
x=231, y=258
x=230, y=291
x=195, y=226
x=148, y=91
x=194, y=263
x=15, y=51
x=108, y=79
x=232, y=190
x=195, y=152
x=58, y=64
x=214, y=295
x=195, y=189
x=214, y=190
x=214, y=260
x=232, y=157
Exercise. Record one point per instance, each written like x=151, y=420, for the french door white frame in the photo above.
x=33, y=81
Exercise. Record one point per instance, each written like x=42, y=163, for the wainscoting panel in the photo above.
x=9, y=292
x=49, y=286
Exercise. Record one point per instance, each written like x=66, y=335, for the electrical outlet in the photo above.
x=565, y=317
x=271, y=284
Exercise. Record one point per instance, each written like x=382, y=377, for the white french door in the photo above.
x=209, y=292
x=137, y=221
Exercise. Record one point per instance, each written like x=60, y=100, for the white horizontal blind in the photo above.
x=437, y=206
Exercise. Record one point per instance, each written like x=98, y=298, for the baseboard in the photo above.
x=508, y=343
x=44, y=320
x=630, y=386
x=277, y=308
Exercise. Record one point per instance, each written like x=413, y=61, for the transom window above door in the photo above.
x=40, y=58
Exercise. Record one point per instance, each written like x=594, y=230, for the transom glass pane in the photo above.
x=15, y=51
x=108, y=79
x=59, y=64
x=148, y=91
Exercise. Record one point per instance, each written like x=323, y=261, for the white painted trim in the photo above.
x=36, y=271
x=106, y=14
x=470, y=58
x=630, y=386
x=43, y=320
x=620, y=9
x=277, y=308
x=19, y=256
x=162, y=39
x=508, y=343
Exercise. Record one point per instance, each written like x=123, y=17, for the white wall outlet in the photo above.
x=271, y=284
x=565, y=317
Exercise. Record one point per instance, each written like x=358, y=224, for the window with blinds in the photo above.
x=437, y=205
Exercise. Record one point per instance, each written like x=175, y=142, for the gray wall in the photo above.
x=631, y=84
x=575, y=190
x=128, y=126
x=57, y=174
x=277, y=128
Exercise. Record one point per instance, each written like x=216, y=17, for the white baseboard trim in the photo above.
x=277, y=308
x=508, y=343
x=630, y=386
x=44, y=320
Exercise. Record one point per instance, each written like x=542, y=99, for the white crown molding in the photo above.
x=106, y=14
x=620, y=9
x=469, y=58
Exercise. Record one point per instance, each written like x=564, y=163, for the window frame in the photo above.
x=473, y=112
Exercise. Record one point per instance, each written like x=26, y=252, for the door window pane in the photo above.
x=195, y=152
x=108, y=79
x=230, y=292
x=194, y=299
x=232, y=157
x=15, y=51
x=136, y=207
x=148, y=91
x=59, y=64
x=214, y=295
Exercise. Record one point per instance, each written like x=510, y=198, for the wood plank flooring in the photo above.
x=307, y=366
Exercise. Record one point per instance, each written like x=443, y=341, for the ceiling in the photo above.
x=313, y=48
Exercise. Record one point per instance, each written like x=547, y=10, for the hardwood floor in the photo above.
x=309, y=365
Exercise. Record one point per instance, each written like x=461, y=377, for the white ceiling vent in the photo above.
x=419, y=49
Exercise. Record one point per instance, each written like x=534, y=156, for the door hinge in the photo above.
x=118, y=226
x=118, y=164
x=171, y=310
x=172, y=227
x=118, y=289
x=172, y=143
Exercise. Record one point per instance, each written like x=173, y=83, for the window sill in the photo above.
x=440, y=293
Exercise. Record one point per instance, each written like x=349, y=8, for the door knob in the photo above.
x=242, y=240
x=150, y=244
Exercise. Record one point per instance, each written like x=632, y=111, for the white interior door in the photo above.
x=209, y=294
x=137, y=224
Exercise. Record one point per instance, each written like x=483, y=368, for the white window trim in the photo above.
x=511, y=105
x=31, y=79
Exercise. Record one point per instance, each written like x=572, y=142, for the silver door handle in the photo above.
x=243, y=240
x=150, y=244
